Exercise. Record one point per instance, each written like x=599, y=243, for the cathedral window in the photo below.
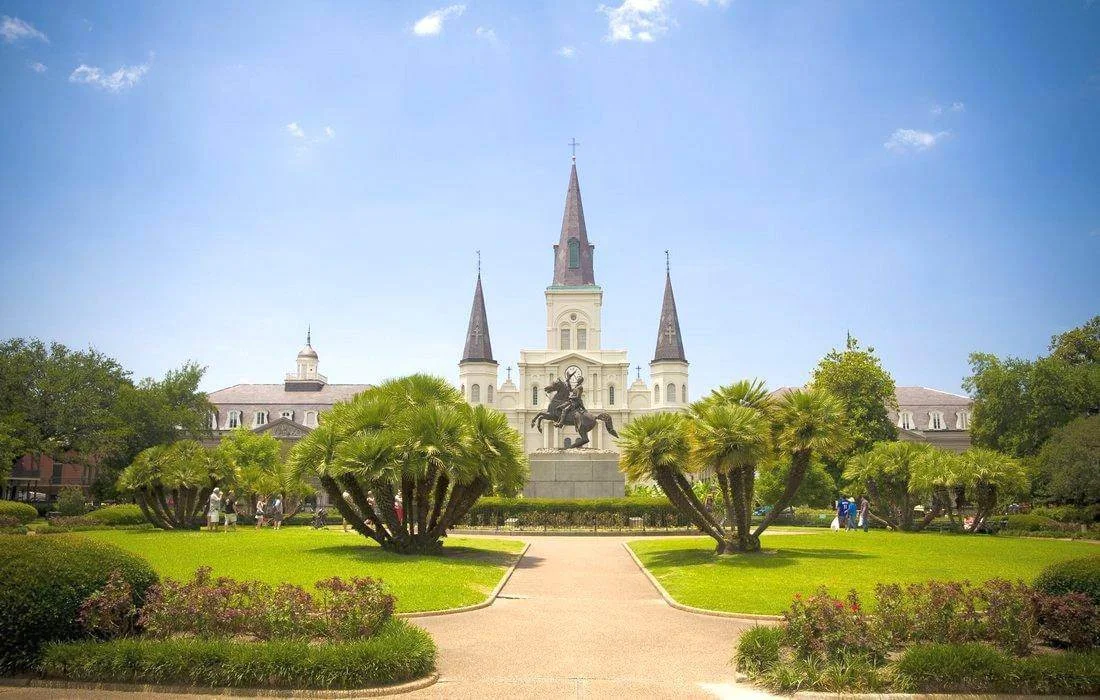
x=568, y=442
x=962, y=420
x=935, y=420
x=684, y=393
x=656, y=393
x=564, y=338
x=582, y=338
x=489, y=393
x=259, y=419
x=611, y=395
x=574, y=254
x=310, y=419
x=289, y=415
x=234, y=419
x=905, y=420
x=534, y=396
x=214, y=421
x=670, y=393
x=475, y=393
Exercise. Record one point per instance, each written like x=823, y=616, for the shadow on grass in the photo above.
x=454, y=554
x=767, y=559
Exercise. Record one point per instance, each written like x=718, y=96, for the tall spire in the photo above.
x=670, y=344
x=573, y=252
x=478, y=347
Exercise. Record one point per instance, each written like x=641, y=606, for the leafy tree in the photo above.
x=936, y=475
x=991, y=476
x=1069, y=462
x=884, y=473
x=258, y=468
x=172, y=483
x=867, y=391
x=1019, y=403
x=70, y=501
x=414, y=437
x=818, y=488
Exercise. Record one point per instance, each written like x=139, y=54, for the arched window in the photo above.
x=582, y=338
x=684, y=393
x=489, y=393
x=905, y=420
x=656, y=393
x=475, y=393
x=611, y=395
x=534, y=396
x=564, y=338
x=234, y=419
x=935, y=420
x=962, y=420
x=310, y=420
x=670, y=393
x=568, y=442
x=574, y=254
x=289, y=415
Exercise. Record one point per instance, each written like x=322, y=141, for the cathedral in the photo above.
x=573, y=352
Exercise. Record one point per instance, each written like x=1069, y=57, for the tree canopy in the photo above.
x=1069, y=463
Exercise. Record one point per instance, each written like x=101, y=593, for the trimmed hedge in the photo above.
x=1073, y=576
x=965, y=668
x=581, y=512
x=1032, y=523
x=123, y=514
x=400, y=652
x=45, y=580
x=1070, y=514
x=21, y=512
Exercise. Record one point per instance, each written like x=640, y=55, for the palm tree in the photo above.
x=805, y=422
x=415, y=439
x=991, y=475
x=884, y=473
x=936, y=472
x=171, y=483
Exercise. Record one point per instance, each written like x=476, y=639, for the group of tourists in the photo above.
x=851, y=515
x=222, y=508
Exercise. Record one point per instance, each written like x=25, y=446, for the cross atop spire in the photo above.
x=666, y=262
x=573, y=252
x=479, y=264
x=573, y=143
x=670, y=344
x=308, y=329
x=478, y=346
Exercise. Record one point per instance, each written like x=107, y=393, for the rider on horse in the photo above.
x=576, y=403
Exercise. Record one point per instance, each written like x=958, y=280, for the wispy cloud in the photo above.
x=13, y=29
x=295, y=130
x=937, y=110
x=431, y=24
x=719, y=3
x=305, y=143
x=124, y=78
x=566, y=52
x=329, y=132
x=486, y=33
x=636, y=20
x=36, y=66
x=908, y=140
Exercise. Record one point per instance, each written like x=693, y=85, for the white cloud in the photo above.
x=486, y=33
x=431, y=24
x=636, y=20
x=124, y=78
x=36, y=66
x=906, y=140
x=329, y=133
x=13, y=29
x=566, y=52
x=958, y=107
x=936, y=110
x=295, y=130
x=719, y=3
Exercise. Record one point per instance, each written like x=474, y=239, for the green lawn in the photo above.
x=467, y=571
x=799, y=563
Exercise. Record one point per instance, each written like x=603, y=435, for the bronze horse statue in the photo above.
x=581, y=418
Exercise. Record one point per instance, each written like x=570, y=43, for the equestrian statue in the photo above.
x=567, y=408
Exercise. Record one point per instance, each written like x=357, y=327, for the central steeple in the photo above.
x=573, y=252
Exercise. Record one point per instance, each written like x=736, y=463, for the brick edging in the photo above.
x=476, y=606
x=688, y=608
x=375, y=692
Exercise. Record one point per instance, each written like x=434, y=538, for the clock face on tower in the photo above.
x=574, y=372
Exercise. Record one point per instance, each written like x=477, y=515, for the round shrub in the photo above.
x=45, y=580
x=22, y=512
x=124, y=514
x=1073, y=576
x=70, y=501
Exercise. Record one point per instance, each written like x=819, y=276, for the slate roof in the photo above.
x=670, y=344
x=921, y=402
x=277, y=395
x=478, y=346
x=572, y=226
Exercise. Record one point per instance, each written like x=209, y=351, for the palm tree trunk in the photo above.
x=684, y=503
x=800, y=464
x=347, y=511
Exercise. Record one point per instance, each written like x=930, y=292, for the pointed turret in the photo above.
x=573, y=252
x=478, y=346
x=670, y=344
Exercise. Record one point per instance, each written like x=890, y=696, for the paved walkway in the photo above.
x=578, y=619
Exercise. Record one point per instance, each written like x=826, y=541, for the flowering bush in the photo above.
x=828, y=628
x=1010, y=619
x=1070, y=620
x=211, y=608
x=109, y=612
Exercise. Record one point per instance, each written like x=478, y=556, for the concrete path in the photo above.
x=578, y=619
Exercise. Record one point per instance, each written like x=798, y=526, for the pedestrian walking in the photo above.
x=214, y=510
x=399, y=508
x=230, y=511
x=277, y=512
x=261, y=511
x=864, y=507
x=852, y=507
x=842, y=513
x=347, y=499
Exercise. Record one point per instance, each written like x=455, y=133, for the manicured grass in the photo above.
x=765, y=583
x=464, y=574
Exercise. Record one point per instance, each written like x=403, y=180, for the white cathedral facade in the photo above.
x=574, y=347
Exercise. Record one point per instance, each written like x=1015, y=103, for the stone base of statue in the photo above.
x=575, y=473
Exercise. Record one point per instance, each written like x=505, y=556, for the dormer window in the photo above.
x=289, y=415
x=259, y=418
x=935, y=420
x=234, y=420
x=574, y=254
x=962, y=420
x=905, y=420
x=310, y=419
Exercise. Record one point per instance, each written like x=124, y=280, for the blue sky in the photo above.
x=202, y=180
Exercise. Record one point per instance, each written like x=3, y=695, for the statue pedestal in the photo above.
x=579, y=473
